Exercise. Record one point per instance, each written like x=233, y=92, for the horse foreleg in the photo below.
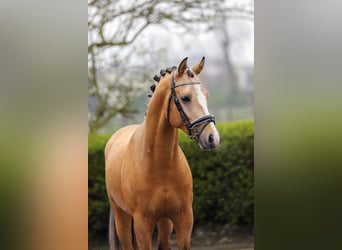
x=165, y=228
x=123, y=225
x=183, y=226
x=143, y=227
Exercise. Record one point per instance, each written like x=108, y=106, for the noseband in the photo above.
x=191, y=126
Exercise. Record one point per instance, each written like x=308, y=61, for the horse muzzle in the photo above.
x=209, y=138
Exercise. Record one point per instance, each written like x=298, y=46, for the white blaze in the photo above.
x=201, y=99
x=203, y=102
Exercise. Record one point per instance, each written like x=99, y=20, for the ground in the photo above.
x=217, y=241
x=235, y=246
x=203, y=241
x=227, y=247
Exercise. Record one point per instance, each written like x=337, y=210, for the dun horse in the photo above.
x=148, y=178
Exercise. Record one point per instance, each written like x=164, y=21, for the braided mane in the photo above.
x=157, y=78
x=163, y=72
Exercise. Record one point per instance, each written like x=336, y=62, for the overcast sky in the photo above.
x=241, y=50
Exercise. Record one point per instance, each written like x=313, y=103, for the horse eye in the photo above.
x=185, y=98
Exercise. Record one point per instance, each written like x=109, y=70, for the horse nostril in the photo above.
x=211, y=138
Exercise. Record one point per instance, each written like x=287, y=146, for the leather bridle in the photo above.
x=191, y=126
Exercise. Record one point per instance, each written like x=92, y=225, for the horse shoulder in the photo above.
x=120, y=137
x=114, y=151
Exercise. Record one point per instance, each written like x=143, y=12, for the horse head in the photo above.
x=187, y=105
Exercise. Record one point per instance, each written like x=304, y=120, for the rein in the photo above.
x=191, y=126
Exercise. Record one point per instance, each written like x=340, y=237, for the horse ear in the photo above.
x=182, y=66
x=199, y=66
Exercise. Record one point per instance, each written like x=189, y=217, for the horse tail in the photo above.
x=114, y=243
x=134, y=240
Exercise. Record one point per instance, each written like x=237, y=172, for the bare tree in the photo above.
x=114, y=83
x=244, y=11
x=114, y=55
x=132, y=17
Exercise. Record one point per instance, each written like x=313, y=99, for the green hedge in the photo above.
x=223, y=179
x=98, y=206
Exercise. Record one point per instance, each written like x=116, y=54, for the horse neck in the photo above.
x=160, y=138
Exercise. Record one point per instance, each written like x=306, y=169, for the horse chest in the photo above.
x=164, y=201
x=160, y=197
x=157, y=188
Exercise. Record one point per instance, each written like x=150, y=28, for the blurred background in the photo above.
x=130, y=41
x=45, y=126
